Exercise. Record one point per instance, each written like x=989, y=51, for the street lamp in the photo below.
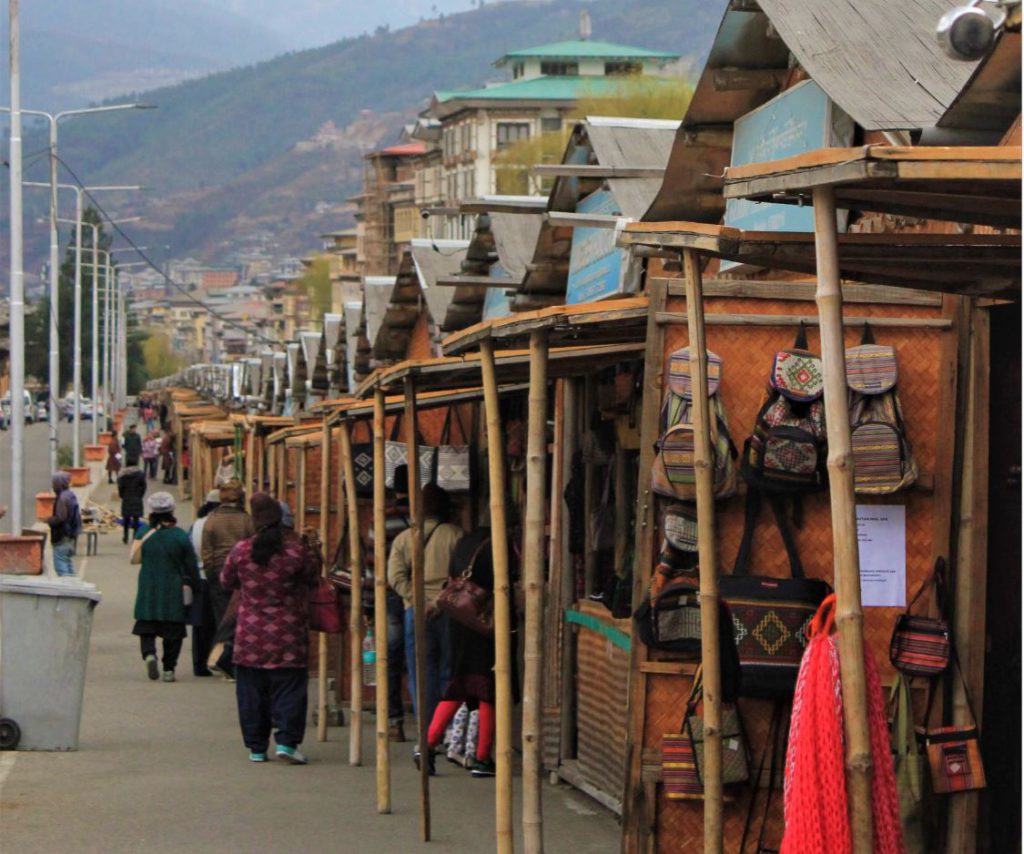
x=76, y=381
x=96, y=310
x=118, y=337
x=54, y=119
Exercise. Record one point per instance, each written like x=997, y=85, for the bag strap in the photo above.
x=752, y=511
x=694, y=696
x=772, y=771
x=773, y=727
x=868, y=335
x=933, y=579
x=468, y=571
x=800, y=342
x=396, y=427
x=446, y=430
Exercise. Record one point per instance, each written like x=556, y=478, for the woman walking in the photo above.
x=274, y=572
x=113, y=457
x=150, y=454
x=168, y=567
x=131, y=487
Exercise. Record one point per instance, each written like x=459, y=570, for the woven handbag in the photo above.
x=452, y=462
x=678, y=761
x=797, y=373
x=396, y=454
x=735, y=753
x=920, y=646
x=362, y=462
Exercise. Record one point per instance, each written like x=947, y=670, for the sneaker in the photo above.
x=257, y=757
x=290, y=755
x=396, y=732
x=152, y=669
x=481, y=768
x=417, y=758
x=169, y=676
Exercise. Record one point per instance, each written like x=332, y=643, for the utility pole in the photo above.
x=17, y=320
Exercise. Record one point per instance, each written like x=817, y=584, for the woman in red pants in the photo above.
x=472, y=662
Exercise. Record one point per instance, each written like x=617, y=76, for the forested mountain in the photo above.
x=277, y=146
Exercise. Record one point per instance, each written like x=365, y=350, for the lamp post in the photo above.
x=116, y=324
x=94, y=372
x=53, y=119
x=76, y=381
x=17, y=308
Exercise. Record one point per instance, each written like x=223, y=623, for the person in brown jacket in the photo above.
x=226, y=526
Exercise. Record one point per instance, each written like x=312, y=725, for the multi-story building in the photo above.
x=468, y=129
x=345, y=280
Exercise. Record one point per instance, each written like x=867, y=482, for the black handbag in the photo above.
x=770, y=615
x=362, y=463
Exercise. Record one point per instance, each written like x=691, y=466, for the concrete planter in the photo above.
x=22, y=555
x=104, y=439
x=44, y=505
x=79, y=475
x=95, y=453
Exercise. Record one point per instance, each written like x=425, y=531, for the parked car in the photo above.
x=30, y=410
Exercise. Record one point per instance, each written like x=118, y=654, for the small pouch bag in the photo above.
x=679, y=776
x=735, y=755
x=920, y=646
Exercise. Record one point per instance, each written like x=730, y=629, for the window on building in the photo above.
x=517, y=70
x=550, y=124
x=622, y=68
x=509, y=132
x=471, y=183
x=560, y=69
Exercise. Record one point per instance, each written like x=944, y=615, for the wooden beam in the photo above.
x=637, y=830
x=849, y=614
x=380, y=607
x=325, y=518
x=477, y=282
x=533, y=582
x=566, y=591
x=672, y=318
x=738, y=79
x=703, y=464
x=355, y=559
x=596, y=171
x=502, y=604
x=569, y=219
x=419, y=604
x=804, y=291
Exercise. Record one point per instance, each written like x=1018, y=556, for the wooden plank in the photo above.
x=596, y=171
x=669, y=668
x=671, y=318
x=476, y=282
x=739, y=79
x=355, y=560
x=804, y=291
x=569, y=219
x=567, y=587
x=769, y=187
x=380, y=609
x=325, y=521
x=637, y=831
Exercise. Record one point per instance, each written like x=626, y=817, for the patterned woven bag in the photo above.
x=396, y=454
x=735, y=753
x=882, y=456
x=920, y=646
x=678, y=762
x=452, y=462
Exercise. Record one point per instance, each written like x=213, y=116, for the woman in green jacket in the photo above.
x=169, y=569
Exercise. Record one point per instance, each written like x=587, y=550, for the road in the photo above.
x=162, y=768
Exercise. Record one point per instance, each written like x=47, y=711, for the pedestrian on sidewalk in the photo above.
x=150, y=454
x=113, y=457
x=65, y=524
x=204, y=626
x=274, y=572
x=225, y=527
x=167, y=452
x=132, y=446
x=131, y=489
x=168, y=568
x=440, y=538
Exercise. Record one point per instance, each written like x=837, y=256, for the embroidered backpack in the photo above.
x=673, y=472
x=883, y=461
x=786, y=455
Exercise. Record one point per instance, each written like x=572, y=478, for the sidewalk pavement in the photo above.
x=161, y=767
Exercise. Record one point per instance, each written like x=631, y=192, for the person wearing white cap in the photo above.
x=167, y=581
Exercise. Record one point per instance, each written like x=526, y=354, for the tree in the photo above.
x=317, y=284
x=636, y=96
x=37, y=324
x=158, y=356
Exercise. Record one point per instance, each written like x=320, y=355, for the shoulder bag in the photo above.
x=467, y=602
x=396, y=454
x=452, y=462
x=920, y=645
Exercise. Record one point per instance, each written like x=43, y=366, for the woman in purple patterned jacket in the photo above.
x=274, y=572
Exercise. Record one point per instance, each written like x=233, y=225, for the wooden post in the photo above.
x=849, y=616
x=703, y=464
x=355, y=733
x=380, y=607
x=272, y=466
x=567, y=589
x=637, y=832
x=257, y=443
x=533, y=582
x=419, y=605
x=502, y=610
x=300, y=486
x=325, y=527
x=250, y=470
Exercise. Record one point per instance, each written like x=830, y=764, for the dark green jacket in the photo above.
x=168, y=562
x=132, y=448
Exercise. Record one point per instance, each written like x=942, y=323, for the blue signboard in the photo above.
x=496, y=301
x=595, y=264
x=800, y=119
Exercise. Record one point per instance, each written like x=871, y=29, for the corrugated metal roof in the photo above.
x=376, y=294
x=434, y=259
x=546, y=89
x=586, y=50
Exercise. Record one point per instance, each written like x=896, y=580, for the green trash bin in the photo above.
x=45, y=624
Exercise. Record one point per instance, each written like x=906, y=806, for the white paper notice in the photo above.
x=882, y=539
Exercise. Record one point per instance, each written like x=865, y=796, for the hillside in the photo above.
x=220, y=153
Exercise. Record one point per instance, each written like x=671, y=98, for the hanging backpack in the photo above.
x=883, y=461
x=673, y=472
x=786, y=455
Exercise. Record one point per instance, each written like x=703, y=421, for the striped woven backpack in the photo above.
x=883, y=461
x=673, y=472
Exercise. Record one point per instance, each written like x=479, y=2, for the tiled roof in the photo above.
x=587, y=50
x=544, y=89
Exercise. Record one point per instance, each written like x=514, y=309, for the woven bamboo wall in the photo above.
x=746, y=352
x=603, y=673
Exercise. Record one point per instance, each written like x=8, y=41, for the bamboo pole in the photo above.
x=533, y=581
x=704, y=474
x=567, y=589
x=300, y=486
x=258, y=456
x=272, y=466
x=355, y=733
x=849, y=616
x=419, y=605
x=502, y=610
x=325, y=527
x=380, y=607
